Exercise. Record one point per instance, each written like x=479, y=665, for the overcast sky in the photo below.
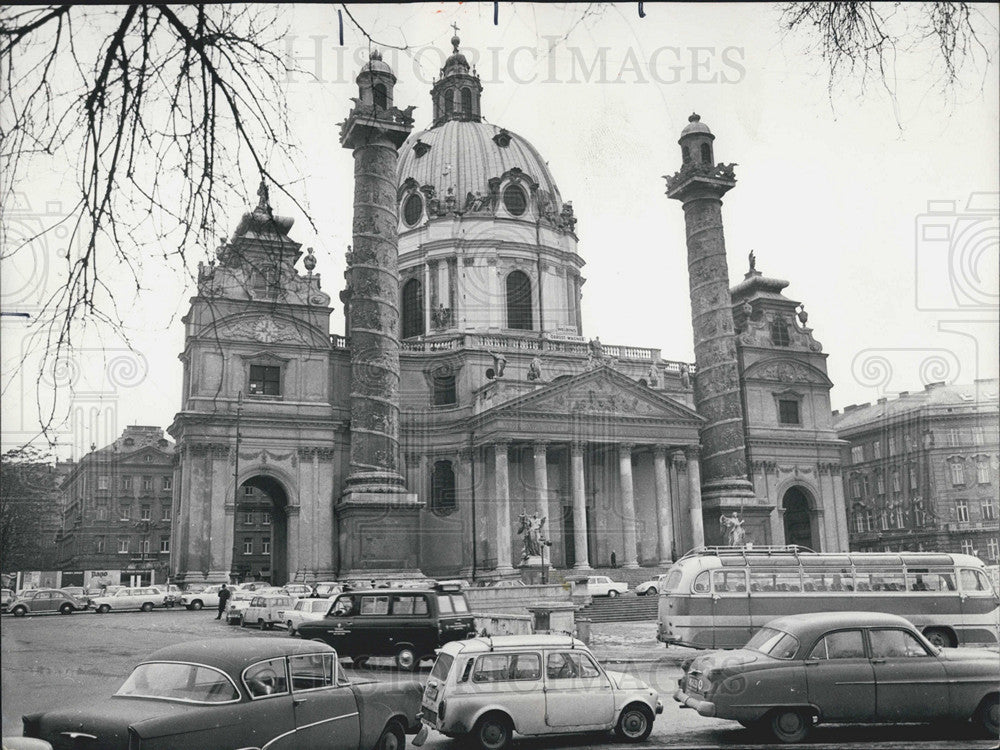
x=832, y=195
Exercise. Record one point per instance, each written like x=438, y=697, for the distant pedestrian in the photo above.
x=614, y=559
x=224, y=595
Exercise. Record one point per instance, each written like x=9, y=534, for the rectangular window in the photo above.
x=788, y=411
x=983, y=472
x=913, y=477
x=168, y=483
x=102, y=482
x=164, y=544
x=897, y=484
x=957, y=469
x=954, y=437
x=857, y=454
x=967, y=548
x=145, y=513
x=877, y=449
x=147, y=484
x=312, y=672
x=248, y=518
x=884, y=519
x=248, y=490
x=265, y=547
x=900, y=518
x=247, y=546
x=126, y=483
x=444, y=390
x=859, y=522
x=856, y=488
x=102, y=513
x=144, y=547
x=265, y=381
x=989, y=510
x=978, y=435
x=993, y=549
x=962, y=510
x=866, y=486
x=879, y=483
x=165, y=513
x=892, y=445
x=123, y=546
x=265, y=518
x=869, y=521
x=125, y=513
x=99, y=545
x=919, y=515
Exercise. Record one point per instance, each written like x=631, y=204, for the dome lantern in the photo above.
x=696, y=142
x=457, y=92
x=375, y=82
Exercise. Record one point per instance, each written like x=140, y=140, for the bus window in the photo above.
x=973, y=580
x=890, y=580
x=824, y=579
x=773, y=581
x=925, y=580
x=729, y=581
x=673, y=582
x=701, y=583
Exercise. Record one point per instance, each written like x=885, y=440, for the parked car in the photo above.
x=651, y=587
x=78, y=592
x=234, y=693
x=144, y=598
x=604, y=586
x=36, y=601
x=237, y=606
x=304, y=610
x=264, y=608
x=408, y=624
x=485, y=689
x=6, y=597
x=843, y=667
x=171, y=595
x=298, y=590
x=326, y=589
x=206, y=597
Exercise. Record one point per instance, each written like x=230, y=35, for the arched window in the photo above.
x=686, y=154
x=466, y=102
x=443, y=489
x=706, y=153
x=449, y=101
x=381, y=98
x=413, y=309
x=519, y=301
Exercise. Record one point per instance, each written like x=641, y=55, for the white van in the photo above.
x=263, y=610
x=485, y=689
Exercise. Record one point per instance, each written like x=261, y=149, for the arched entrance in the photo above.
x=799, y=519
x=260, y=542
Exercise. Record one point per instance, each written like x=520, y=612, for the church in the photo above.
x=464, y=394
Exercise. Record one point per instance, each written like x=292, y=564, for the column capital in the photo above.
x=540, y=446
x=625, y=450
x=501, y=442
x=466, y=454
x=692, y=452
x=576, y=447
x=660, y=451
x=679, y=459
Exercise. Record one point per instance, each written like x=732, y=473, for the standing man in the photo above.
x=224, y=595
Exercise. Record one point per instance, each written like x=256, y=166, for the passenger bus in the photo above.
x=717, y=597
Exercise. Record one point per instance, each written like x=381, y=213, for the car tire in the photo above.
x=612, y=594
x=260, y=623
x=652, y=590
x=940, y=638
x=406, y=659
x=104, y=609
x=790, y=725
x=635, y=723
x=492, y=732
x=19, y=611
x=392, y=738
x=291, y=630
x=66, y=609
x=147, y=607
x=988, y=716
x=196, y=605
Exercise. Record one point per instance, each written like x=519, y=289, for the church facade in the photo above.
x=506, y=408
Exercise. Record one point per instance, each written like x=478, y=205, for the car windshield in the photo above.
x=774, y=643
x=191, y=683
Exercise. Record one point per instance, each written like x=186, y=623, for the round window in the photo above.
x=413, y=208
x=514, y=200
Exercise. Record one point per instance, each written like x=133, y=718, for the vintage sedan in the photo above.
x=242, y=693
x=143, y=598
x=36, y=601
x=842, y=667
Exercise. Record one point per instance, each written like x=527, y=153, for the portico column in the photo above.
x=665, y=533
x=463, y=491
x=502, y=506
x=628, y=504
x=694, y=497
x=579, y=508
x=292, y=514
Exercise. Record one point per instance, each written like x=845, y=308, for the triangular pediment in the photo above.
x=602, y=391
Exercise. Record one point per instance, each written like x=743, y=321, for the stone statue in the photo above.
x=535, y=369
x=653, y=377
x=753, y=261
x=595, y=353
x=732, y=527
x=530, y=529
x=499, y=363
x=685, y=376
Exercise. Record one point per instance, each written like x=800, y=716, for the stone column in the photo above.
x=628, y=504
x=540, y=452
x=502, y=500
x=465, y=499
x=694, y=497
x=579, y=507
x=293, y=518
x=664, y=522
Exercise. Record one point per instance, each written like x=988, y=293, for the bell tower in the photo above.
x=700, y=185
x=457, y=93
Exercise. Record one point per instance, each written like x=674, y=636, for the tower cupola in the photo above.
x=375, y=82
x=457, y=92
x=696, y=142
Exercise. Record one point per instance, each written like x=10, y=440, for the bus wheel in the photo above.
x=790, y=724
x=940, y=637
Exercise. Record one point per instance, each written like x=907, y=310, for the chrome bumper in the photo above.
x=705, y=708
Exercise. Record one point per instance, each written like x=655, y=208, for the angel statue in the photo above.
x=732, y=527
x=530, y=528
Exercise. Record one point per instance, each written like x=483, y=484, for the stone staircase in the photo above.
x=625, y=608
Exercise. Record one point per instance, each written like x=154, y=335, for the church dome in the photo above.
x=466, y=154
x=695, y=125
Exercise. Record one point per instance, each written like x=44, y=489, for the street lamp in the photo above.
x=236, y=485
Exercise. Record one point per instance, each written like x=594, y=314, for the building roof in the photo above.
x=935, y=396
x=464, y=155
